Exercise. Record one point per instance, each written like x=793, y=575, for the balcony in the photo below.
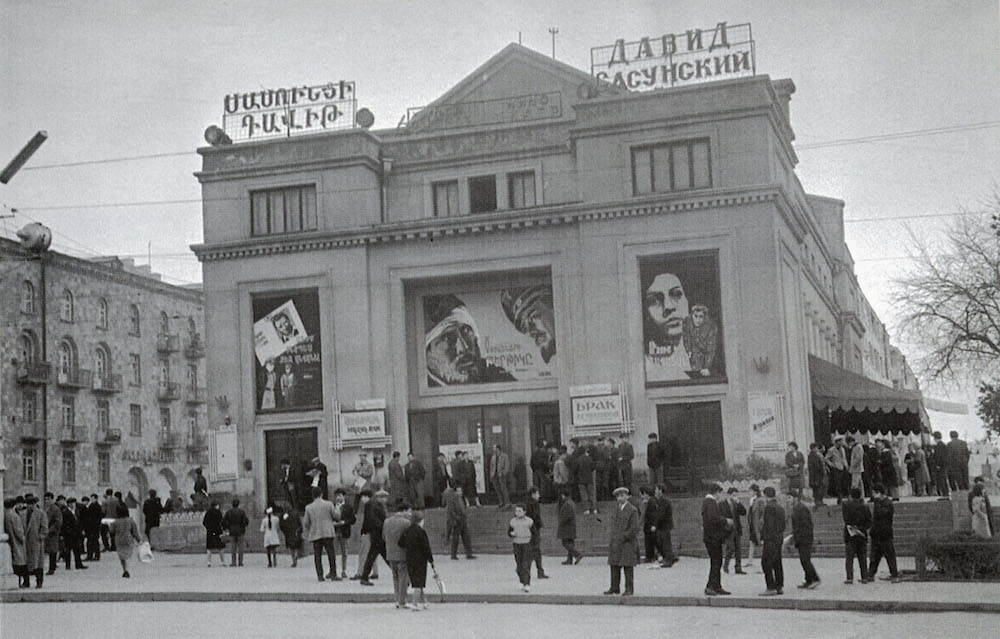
x=109, y=436
x=77, y=378
x=194, y=348
x=110, y=383
x=170, y=440
x=195, y=394
x=169, y=391
x=197, y=442
x=73, y=434
x=167, y=343
x=34, y=373
x=31, y=429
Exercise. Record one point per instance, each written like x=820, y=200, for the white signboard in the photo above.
x=361, y=425
x=278, y=331
x=763, y=409
x=598, y=410
x=370, y=404
x=225, y=465
x=590, y=389
x=473, y=451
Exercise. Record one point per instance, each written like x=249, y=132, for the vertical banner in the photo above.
x=224, y=454
x=763, y=411
x=289, y=366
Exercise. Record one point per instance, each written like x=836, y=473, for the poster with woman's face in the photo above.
x=289, y=369
x=682, y=319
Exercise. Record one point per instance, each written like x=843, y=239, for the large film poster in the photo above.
x=682, y=319
x=288, y=353
x=489, y=336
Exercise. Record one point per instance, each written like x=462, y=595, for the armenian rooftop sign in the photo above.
x=697, y=55
x=279, y=113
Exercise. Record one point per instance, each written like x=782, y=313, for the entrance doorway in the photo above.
x=692, y=435
x=299, y=446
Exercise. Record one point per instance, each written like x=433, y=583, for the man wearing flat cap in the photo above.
x=529, y=309
x=623, y=544
x=451, y=344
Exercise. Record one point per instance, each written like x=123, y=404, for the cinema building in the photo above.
x=528, y=259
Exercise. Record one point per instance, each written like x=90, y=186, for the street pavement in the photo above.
x=465, y=621
x=492, y=578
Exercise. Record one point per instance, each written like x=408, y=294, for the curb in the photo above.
x=32, y=596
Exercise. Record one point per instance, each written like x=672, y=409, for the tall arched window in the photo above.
x=133, y=318
x=102, y=361
x=164, y=323
x=67, y=357
x=27, y=297
x=192, y=327
x=102, y=313
x=28, y=348
x=66, y=310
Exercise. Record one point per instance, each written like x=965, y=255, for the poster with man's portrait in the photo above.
x=489, y=336
x=289, y=369
x=682, y=319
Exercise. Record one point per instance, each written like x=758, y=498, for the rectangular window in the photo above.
x=103, y=414
x=104, y=467
x=483, y=194
x=135, y=419
x=521, y=187
x=68, y=411
x=136, y=368
x=445, y=198
x=29, y=464
x=165, y=421
x=29, y=405
x=68, y=466
x=193, y=424
x=677, y=166
x=289, y=209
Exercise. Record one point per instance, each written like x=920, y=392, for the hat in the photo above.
x=520, y=304
x=619, y=490
x=381, y=493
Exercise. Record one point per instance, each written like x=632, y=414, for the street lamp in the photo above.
x=22, y=157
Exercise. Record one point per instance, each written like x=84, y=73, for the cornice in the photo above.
x=557, y=215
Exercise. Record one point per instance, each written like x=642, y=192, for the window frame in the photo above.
x=135, y=420
x=67, y=307
x=67, y=407
x=482, y=177
x=165, y=420
x=451, y=211
x=668, y=148
x=103, y=415
x=28, y=298
x=135, y=364
x=29, y=454
x=102, y=314
x=68, y=466
x=265, y=195
x=134, y=328
x=511, y=178
x=103, y=468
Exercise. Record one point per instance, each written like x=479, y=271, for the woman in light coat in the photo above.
x=270, y=526
x=980, y=519
x=36, y=528
x=126, y=535
x=13, y=527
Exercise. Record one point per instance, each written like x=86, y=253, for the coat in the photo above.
x=126, y=535
x=320, y=520
x=236, y=521
x=623, y=536
x=732, y=509
x=270, y=526
x=654, y=454
x=664, y=514
x=856, y=514
x=53, y=517
x=455, y=510
x=397, y=480
x=151, y=511
x=36, y=531
x=533, y=510
x=499, y=465
x=291, y=527
x=347, y=519
x=567, y=520
x=13, y=527
x=560, y=472
x=774, y=524
x=802, y=526
x=958, y=456
x=980, y=521
x=714, y=528
x=417, y=550
x=857, y=464
x=374, y=519
x=817, y=468
x=835, y=458
x=212, y=522
x=392, y=531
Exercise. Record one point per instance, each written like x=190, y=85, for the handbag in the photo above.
x=224, y=539
x=145, y=553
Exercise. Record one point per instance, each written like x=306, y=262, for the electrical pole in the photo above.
x=553, y=31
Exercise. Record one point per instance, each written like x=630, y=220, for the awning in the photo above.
x=834, y=388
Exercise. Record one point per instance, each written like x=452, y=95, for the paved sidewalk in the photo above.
x=491, y=578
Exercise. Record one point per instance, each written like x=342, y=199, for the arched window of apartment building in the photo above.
x=67, y=357
x=102, y=313
x=102, y=361
x=28, y=347
x=27, y=297
x=133, y=318
x=66, y=309
x=164, y=372
x=164, y=323
x=192, y=327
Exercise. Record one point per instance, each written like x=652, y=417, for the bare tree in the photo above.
x=949, y=301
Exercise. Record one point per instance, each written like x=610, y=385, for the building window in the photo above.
x=192, y=327
x=483, y=194
x=66, y=309
x=165, y=421
x=68, y=466
x=193, y=424
x=27, y=297
x=446, y=198
x=102, y=313
x=29, y=406
x=135, y=419
x=104, y=468
x=133, y=318
x=68, y=412
x=29, y=464
x=28, y=348
x=286, y=210
x=192, y=375
x=164, y=372
x=671, y=167
x=103, y=414
x=521, y=189
x=136, y=366
x=67, y=358
x=102, y=362
x=164, y=323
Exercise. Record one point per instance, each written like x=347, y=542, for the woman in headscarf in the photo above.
x=212, y=521
x=126, y=535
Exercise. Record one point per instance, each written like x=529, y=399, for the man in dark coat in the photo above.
x=583, y=471
x=415, y=474
x=732, y=509
x=886, y=468
x=715, y=529
x=939, y=466
x=654, y=459
x=372, y=524
x=539, y=465
x=289, y=487
x=882, y=534
x=773, y=537
x=663, y=526
x=53, y=517
x=236, y=522
x=457, y=522
x=857, y=522
x=649, y=512
x=623, y=544
x=442, y=480
x=816, y=464
x=71, y=534
x=151, y=511
x=533, y=509
x=397, y=480
x=958, y=462
x=109, y=509
x=93, y=529
x=566, y=531
x=602, y=469
x=625, y=456
x=802, y=538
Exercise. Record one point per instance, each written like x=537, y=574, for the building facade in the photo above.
x=517, y=263
x=103, y=377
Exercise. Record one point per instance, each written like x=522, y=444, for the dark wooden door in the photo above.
x=691, y=431
x=299, y=446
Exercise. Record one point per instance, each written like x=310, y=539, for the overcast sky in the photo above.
x=110, y=79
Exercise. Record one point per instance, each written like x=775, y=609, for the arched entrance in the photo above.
x=138, y=485
x=165, y=484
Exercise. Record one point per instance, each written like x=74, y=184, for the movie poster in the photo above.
x=289, y=369
x=489, y=336
x=682, y=319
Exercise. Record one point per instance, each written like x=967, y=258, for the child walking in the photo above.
x=418, y=554
x=270, y=526
x=520, y=532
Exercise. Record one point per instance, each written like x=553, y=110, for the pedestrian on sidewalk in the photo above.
x=836, y=463
x=958, y=462
x=291, y=528
x=623, y=544
x=647, y=516
x=212, y=522
x=417, y=548
x=755, y=521
x=397, y=480
x=319, y=525
x=109, y=508
x=882, y=534
x=35, y=538
x=151, y=510
x=857, y=522
x=817, y=473
x=663, y=527
x=126, y=535
x=236, y=522
x=13, y=527
x=802, y=539
x=715, y=528
x=561, y=475
x=372, y=526
x=519, y=531
x=498, y=469
x=395, y=555
x=72, y=535
x=457, y=522
x=566, y=531
x=941, y=467
x=856, y=465
x=346, y=519
x=270, y=526
x=92, y=530
x=795, y=463
x=583, y=468
x=773, y=537
x=415, y=474
x=655, y=458
x=731, y=508
x=625, y=456
x=534, y=513
x=53, y=517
